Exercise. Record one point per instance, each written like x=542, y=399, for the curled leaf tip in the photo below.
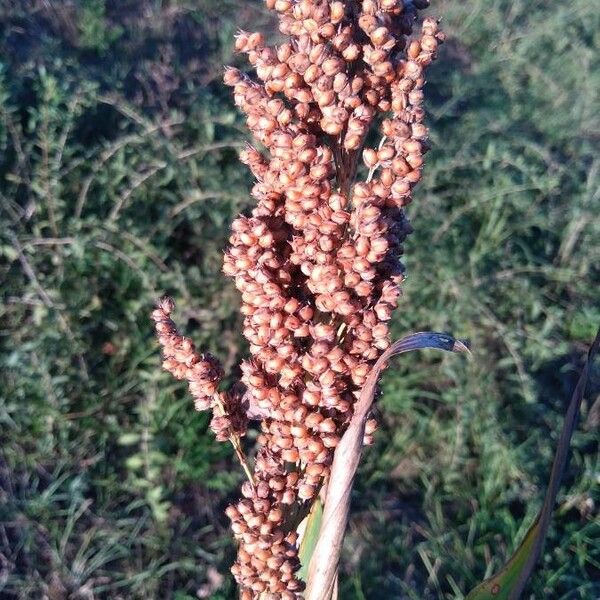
x=462, y=346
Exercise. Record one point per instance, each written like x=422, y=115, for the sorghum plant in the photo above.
x=317, y=262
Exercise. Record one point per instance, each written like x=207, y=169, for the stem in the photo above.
x=376, y=166
x=235, y=441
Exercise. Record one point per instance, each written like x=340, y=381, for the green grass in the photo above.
x=118, y=178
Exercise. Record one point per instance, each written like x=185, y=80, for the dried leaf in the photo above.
x=325, y=558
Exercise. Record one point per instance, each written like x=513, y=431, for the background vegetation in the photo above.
x=118, y=178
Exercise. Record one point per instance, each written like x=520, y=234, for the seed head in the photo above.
x=316, y=261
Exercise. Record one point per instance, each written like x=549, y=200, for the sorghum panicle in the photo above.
x=317, y=262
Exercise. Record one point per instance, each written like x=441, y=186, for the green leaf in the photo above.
x=510, y=582
x=135, y=462
x=310, y=537
x=502, y=585
x=127, y=439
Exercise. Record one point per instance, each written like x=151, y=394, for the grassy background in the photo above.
x=118, y=178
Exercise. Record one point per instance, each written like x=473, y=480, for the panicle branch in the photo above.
x=204, y=374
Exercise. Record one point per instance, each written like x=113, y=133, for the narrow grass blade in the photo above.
x=510, y=582
x=325, y=558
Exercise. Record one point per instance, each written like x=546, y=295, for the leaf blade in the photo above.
x=509, y=583
x=324, y=562
x=310, y=537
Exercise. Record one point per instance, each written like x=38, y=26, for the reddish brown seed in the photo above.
x=415, y=160
x=288, y=497
x=351, y=52
x=367, y=22
x=336, y=12
x=328, y=426
x=275, y=515
x=306, y=492
x=232, y=512
x=380, y=36
x=352, y=141
x=330, y=440
x=370, y=157
x=290, y=455
x=332, y=66
x=315, y=470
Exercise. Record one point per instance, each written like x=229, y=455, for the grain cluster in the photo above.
x=317, y=262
